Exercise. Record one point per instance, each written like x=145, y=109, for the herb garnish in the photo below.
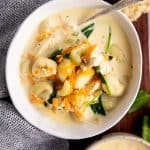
x=107, y=46
x=45, y=104
x=87, y=31
x=55, y=53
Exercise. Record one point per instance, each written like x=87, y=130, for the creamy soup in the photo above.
x=120, y=144
x=76, y=71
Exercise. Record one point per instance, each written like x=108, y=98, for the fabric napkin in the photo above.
x=15, y=132
x=12, y=14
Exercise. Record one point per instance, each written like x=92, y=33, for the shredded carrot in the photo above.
x=67, y=104
x=72, y=79
x=85, y=91
x=31, y=78
x=54, y=109
x=70, y=103
x=89, y=51
x=72, y=99
x=60, y=58
x=82, y=92
x=77, y=113
x=86, y=42
x=56, y=102
x=49, y=68
x=37, y=71
x=36, y=99
x=53, y=77
x=31, y=56
x=42, y=36
x=67, y=50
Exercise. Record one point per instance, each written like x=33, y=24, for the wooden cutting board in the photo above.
x=131, y=123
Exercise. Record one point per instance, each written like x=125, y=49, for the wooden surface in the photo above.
x=131, y=123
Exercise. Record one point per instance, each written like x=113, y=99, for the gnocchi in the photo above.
x=42, y=90
x=44, y=67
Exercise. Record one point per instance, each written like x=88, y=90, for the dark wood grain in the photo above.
x=131, y=123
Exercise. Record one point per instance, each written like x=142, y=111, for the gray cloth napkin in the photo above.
x=12, y=14
x=15, y=132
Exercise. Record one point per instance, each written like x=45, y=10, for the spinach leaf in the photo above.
x=104, y=81
x=55, y=53
x=87, y=27
x=97, y=69
x=98, y=107
x=87, y=31
x=59, y=52
x=107, y=46
x=140, y=101
x=146, y=128
x=51, y=97
x=66, y=55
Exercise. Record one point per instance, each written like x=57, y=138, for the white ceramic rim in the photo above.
x=13, y=92
x=119, y=135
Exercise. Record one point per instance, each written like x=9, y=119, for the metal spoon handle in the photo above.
x=116, y=6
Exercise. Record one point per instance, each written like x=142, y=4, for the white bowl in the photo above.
x=17, y=92
x=118, y=136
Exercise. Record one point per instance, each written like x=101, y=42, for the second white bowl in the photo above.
x=18, y=95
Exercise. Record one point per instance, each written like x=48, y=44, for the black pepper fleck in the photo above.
x=110, y=57
x=45, y=104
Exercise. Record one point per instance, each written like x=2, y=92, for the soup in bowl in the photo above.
x=120, y=141
x=74, y=80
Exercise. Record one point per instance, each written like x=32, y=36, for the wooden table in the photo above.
x=131, y=123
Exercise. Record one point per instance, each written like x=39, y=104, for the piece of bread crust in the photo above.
x=136, y=10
